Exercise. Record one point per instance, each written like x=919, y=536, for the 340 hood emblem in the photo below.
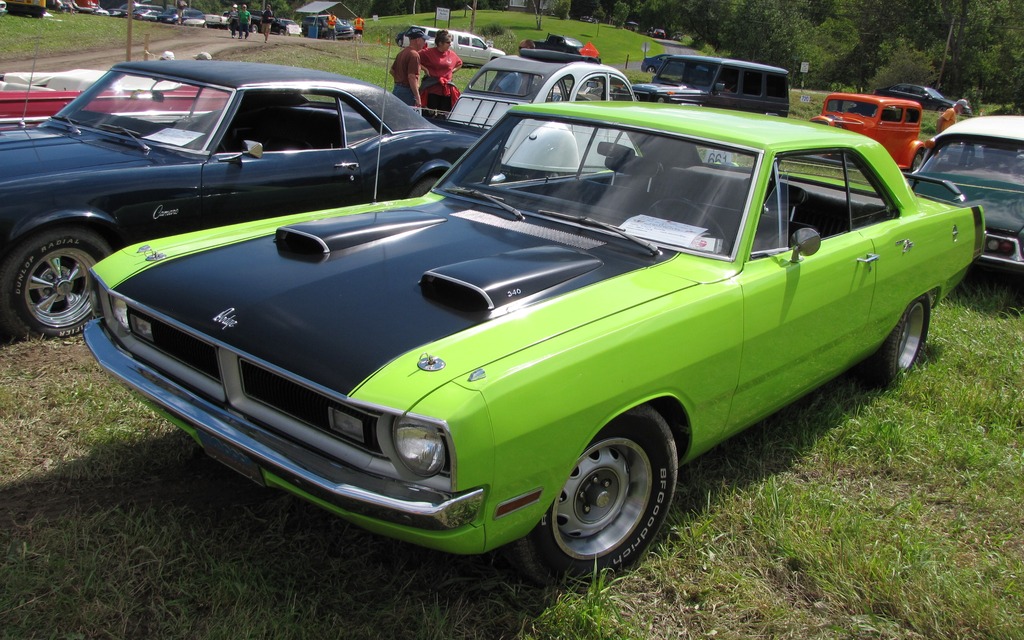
x=226, y=318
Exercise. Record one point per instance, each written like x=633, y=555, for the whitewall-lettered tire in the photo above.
x=612, y=504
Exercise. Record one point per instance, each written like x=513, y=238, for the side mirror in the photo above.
x=805, y=242
x=719, y=87
x=254, y=149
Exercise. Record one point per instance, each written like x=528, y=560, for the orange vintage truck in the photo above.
x=894, y=122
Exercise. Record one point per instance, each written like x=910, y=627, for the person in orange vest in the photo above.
x=332, y=22
x=358, y=25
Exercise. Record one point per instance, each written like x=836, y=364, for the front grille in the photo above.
x=302, y=403
x=181, y=346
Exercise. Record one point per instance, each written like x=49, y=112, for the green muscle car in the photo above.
x=594, y=294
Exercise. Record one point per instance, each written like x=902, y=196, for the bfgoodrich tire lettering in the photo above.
x=901, y=348
x=612, y=505
x=45, y=282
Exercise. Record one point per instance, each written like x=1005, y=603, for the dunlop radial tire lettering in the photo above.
x=45, y=282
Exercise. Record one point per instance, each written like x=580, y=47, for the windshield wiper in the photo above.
x=476, y=193
x=590, y=222
x=72, y=125
x=134, y=135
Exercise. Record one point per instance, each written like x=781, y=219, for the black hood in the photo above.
x=337, y=299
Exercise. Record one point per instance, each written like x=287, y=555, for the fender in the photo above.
x=98, y=220
x=435, y=166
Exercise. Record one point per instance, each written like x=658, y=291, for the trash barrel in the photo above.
x=313, y=31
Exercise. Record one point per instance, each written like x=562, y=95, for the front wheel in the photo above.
x=45, y=282
x=612, y=505
x=901, y=348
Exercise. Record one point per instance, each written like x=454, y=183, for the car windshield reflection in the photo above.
x=678, y=193
x=158, y=111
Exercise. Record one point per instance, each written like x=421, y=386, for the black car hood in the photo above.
x=46, y=151
x=336, y=300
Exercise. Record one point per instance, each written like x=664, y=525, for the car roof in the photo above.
x=542, y=67
x=1006, y=127
x=744, y=63
x=240, y=75
x=885, y=101
x=734, y=127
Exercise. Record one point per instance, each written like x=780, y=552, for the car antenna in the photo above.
x=383, y=107
x=28, y=89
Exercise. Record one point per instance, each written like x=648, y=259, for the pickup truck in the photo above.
x=564, y=44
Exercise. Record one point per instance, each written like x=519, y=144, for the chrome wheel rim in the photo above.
x=57, y=294
x=910, y=340
x=604, y=499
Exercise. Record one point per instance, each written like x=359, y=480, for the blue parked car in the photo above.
x=650, y=64
x=163, y=147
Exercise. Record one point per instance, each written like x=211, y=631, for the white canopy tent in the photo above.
x=315, y=7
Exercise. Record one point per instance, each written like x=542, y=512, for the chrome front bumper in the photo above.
x=247, y=447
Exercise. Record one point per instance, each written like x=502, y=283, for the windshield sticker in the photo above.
x=179, y=137
x=677, y=234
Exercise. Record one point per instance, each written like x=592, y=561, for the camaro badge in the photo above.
x=226, y=318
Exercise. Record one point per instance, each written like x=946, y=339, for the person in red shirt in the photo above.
x=406, y=69
x=437, y=93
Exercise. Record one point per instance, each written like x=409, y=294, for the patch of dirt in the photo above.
x=184, y=45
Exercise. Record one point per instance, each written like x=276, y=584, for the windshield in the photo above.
x=688, y=72
x=979, y=160
x=678, y=193
x=509, y=83
x=175, y=113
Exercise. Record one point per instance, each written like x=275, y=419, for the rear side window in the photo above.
x=752, y=81
x=913, y=115
x=777, y=86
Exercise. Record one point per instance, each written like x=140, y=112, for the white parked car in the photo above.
x=536, y=76
x=472, y=49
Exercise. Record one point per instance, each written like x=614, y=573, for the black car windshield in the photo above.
x=171, y=113
x=677, y=193
x=697, y=74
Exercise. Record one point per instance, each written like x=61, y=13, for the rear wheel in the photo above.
x=613, y=503
x=45, y=282
x=422, y=187
x=901, y=348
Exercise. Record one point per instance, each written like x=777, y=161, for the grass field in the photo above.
x=853, y=514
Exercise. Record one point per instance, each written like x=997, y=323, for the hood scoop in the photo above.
x=486, y=283
x=320, y=237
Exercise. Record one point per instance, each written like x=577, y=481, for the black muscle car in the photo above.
x=162, y=147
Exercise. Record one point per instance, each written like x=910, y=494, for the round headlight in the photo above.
x=420, y=447
x=120, y=309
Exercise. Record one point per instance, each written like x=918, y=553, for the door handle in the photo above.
x=352, y=166
x=906, y=244
x=868, y=259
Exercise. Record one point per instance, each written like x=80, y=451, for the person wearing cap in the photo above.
x=167, y=55
x=233, y=20
x=437, y=92
x=950, y=115
x=406, y=69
